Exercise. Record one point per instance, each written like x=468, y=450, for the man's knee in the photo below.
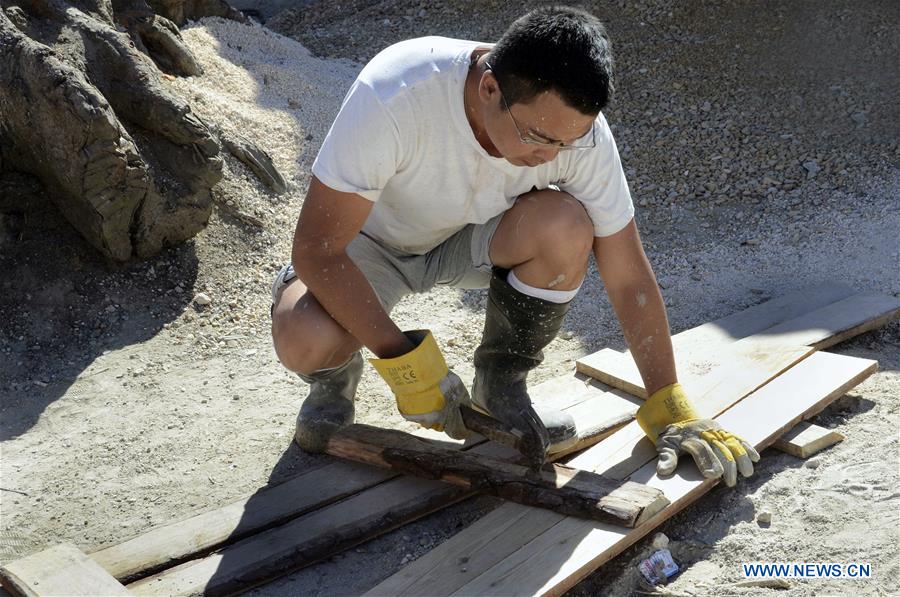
x=305, y=343
x=566, y=229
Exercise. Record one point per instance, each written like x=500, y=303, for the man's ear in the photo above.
x=488, y=88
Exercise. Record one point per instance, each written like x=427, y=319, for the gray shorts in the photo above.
x=461, y=261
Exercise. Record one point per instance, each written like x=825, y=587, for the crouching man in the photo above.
x=477, y=165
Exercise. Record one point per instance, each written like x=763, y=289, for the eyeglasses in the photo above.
x=529, y=138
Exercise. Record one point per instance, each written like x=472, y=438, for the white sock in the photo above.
x=554, y=296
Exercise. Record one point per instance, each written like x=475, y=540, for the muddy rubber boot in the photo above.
x=516, y=329
x=329, y=405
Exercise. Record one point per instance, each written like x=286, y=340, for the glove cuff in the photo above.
x=667, y=405
x=413, y=376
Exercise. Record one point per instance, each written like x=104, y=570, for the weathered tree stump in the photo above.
x=84, y=107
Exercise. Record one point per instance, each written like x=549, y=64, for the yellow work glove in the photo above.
x=670, y=421
x=427, y=392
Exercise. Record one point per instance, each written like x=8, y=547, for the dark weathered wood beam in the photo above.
x=556, y=487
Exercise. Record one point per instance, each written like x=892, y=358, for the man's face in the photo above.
x=545, y=119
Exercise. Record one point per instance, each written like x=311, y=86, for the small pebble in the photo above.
x=764, y=517
x=813, y=463
x=202, y=299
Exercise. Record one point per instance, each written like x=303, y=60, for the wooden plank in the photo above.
x=304, y=540
x=840, y=321
x=556, y=487
x=819, y=329
x=550, y=556
x=752, y=363
x=167, y=545
x=623, y=372
x=596, y=409
x=60, y=570
x=324, y=532
x=806, y=439
x=758, y=318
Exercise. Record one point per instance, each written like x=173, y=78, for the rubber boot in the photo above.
x=329, y=405
x=517, y=327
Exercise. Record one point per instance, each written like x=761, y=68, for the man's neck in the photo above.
x=472, y=103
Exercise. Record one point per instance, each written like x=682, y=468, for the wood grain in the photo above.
x=60, y=570
x=556, y=487
x=707, y=347
x=806, y=439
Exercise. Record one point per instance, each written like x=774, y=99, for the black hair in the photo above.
x=555, y=47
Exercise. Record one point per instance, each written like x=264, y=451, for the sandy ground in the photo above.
x=762, y=150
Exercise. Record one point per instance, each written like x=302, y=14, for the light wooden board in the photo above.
x=806, y=439
x=751, y=364
x=60, y=570
x=760, y=317
x=823, y=327
x=623, y=373
x=518, y=550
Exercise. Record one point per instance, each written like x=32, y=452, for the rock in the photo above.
x=764, y=517
x=202, y=299
x=812, y=168
x=812, y=463
x=660, y=541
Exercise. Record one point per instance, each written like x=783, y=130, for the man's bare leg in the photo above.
x=308, y=341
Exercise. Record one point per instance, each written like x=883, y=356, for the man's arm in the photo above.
x=635, y=297
x=427, y=392
x=667, y=417
x=329, y=221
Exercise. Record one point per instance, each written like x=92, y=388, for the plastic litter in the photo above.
x=660, y=566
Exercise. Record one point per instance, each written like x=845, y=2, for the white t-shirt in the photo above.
x=402, y=140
